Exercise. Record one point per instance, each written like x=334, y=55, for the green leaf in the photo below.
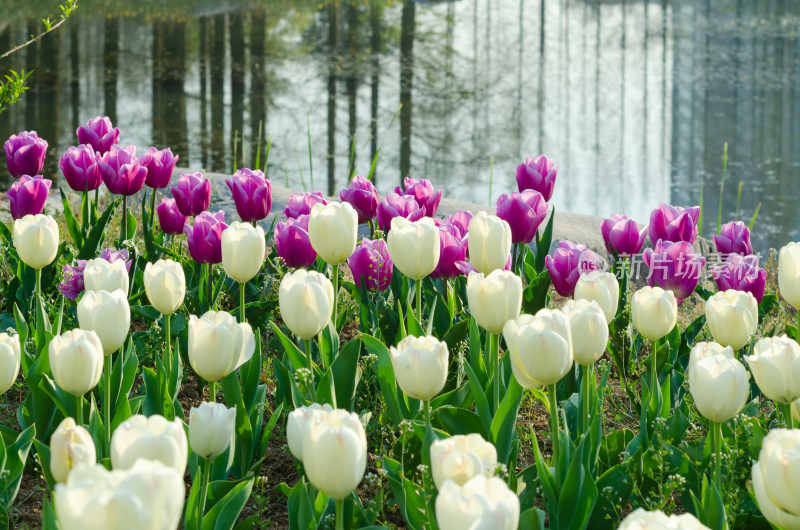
x=226, y=510
x=504, y=423
x=296, y=357
x=543, y=244
x=386, y=379
x=578, y=494
x=460, y=421
x=534, y=297
x=346, y=374
x=96, y=234
x=72, y=223
x=531, y=519
x=15, y=457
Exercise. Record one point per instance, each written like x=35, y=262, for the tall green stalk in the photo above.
x=427, y=406
x=107, y=404
x=585, y=408
x=79, y=415
x=212, y=391
x=167, y=340
x=204, y=479
x=39, y=283
x=554, y=437
x=654, y=369
x=241, y=303
x=786, y=409
x=716, y=429
x=419, y=301
x=494, y=342
x=153, y=209
x=335, y=280
x=123, y=229
x=339, y=514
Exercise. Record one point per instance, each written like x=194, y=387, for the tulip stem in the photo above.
x=79, y=415
x=123, y=230
x=107, y=404
x=716, y=428
x=212, y=391
x=586, y=409
x=167, y=341
x=419, y=301
x=786, y=409
x=241, y=303
x=204, y=479
x=427, y=406
x=153, y=209
x=339, y=514
x=39, y=283
x=335, y=278
x=371, y=225
x=514, y=252
x=654, y=370
x=494, y=344
x=210, y=285
x=308, y=354
x=554, y=438
x=310, y=358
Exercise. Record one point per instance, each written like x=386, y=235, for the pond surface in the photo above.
x=633, y=99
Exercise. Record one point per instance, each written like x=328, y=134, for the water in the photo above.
x=634, y=99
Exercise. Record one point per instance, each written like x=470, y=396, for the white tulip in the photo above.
x=480, y=504
x=10, y=358
x=100, y=275
x=152, y=438
x=36, y=240
x=494, y=299
x=298, y=422
x=211, y=429
x=640, y=519
x=720, y=386
x=420, y=366
x=603, y=288
x=108, y=315
x=705, y=349
x=414, y=246
x=589, y=330
x=776, y=478
x=775, y=364
x=789, y=273
x=333, y=230
x=462, y=457
x=218, y=345
x=305, y=299
x=76, y=360
x=243, y=251
x=71, y=446
x=165, y=285
x=489, y=242
x=148, y=496
x=654, y=312
x=540, y=347
x=732, y=317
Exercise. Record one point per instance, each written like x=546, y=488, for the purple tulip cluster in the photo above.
x=98, y=133
x=673, y=223
x=622, y=235
x=674, y=266
x=396, y=205
x=301, y=204
x=363, y=197
x=123, y=173
x=72, y=285
x=423, y=193
x=25, y=154
x=567, y=264
x=371, y=263
x=452, y=250
x=741, y=273
x=537, y=174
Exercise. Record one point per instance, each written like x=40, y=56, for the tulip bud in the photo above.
x=10, y=358
x=789, y=273
x=654, y=312
x=537, y=174
x=414, y=246
x=462, y=457
x=734, y=237
x=701, y=350
x=732, y=317
x=480, y=503
x=719, y=385
x=423, y=193
x=152, y=438
x=394, y=205
x=76, y=360
x=540, y=347
x=776, y=478
x=742, y=273
x=334, y=451
x=292, y=242
x=159, y=167
x=211, y=428
x=523, y=212
x=243, y=250
x=306, y=302
x=218, y=345
x=204, y=237
x=98, y=133
x=589, y=330
x=452, y=250
x=420, y=366
x=673, y=223
x=622, y=235
x=28, y=195
x=25, y=153
x=100, y=275
x=192, y=193
x=170, y=219
x=489, y=242
x=363, y=197
x=332, y=229
x=495, y=299
x=674, y=266
x=80, y=168
x=252, y=194
x=640, y=519
x=775, y=364
x=70, y=446
x=568, y=263
x=297, y=424
x=165, y=285
x=603, y=288
x=460, y=220
x=372, y=264
x=148, y=496
x=36, y=240
x=301, y=204
x=108, y=315
x=123, y=173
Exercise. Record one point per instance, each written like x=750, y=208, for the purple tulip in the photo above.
x=293, y=244
x=192, y=193
x=252, y=194
x=423, y=193
x=567, y=264
x=159, y=167
x=205, y=237
x=537, y=174
x=122, y=172
x=460, y=220
x=170, y=218
x=25, y=153
x=523, y=212
x=371, y=262
x=72, y=285
x=734, y=237
x=741, y=273
x=363, y=197
x=466, y=267
x=452, y=249
x=675, y=266
x=301, y=203
x=673, y=223
x=81, y=168
x=622, y=235
x=28, y=195
x=99, y=133
x=394, y=205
